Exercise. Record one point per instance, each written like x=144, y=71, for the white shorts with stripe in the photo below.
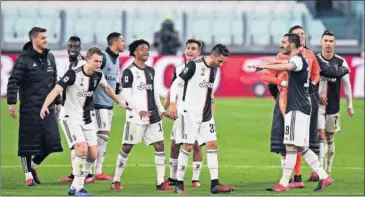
x=189, y=131
x=329, y=122
x=296, y=130
x=151, y=133
x=78, y=132
x=104, y=119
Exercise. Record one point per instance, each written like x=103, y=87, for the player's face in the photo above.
x=192, y=51
x=142, y=52
x=328, y=43
x=219, y=60
x=285, y=47
x=301, y=34
x=120, y=44
x=40, y=40
x=95, y=62
x=73, y=48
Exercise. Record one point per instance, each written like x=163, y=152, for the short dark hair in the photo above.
x=35, y=31
x=112, y=37
x=294, y=28
x=132, y=47
x=220, y=49
x=293, y=38
x=328, y=33
x=92, y=51
x=194, y=41
x=75, y=38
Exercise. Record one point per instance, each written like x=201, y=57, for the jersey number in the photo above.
x=336, y=117
x=212, y=129
x=160, y=126
x=287, y=128
x=308, y=78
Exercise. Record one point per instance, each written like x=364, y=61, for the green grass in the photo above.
x=243, y=129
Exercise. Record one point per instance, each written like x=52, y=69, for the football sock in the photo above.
x=322, y=151
x=88, y=164
x=290, y=160
x=313, y=162
x=78, y=168
x=197, y=166
x=160, y=166
x=331, y=155
x=282, y=161
x=298, y=165
x=101, y=150
x=26, y=162
x=119, y=167
x=173, y=168
x=182, y=162
x=212, y=163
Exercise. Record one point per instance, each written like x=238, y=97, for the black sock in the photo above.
x=39, y=158
x=26, y=162
x=214, y=182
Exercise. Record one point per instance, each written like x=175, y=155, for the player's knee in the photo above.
x=91, y=153
x=330, y=136
x=81, y=149
x=159, y=146
x=197, y=149
x=322, y=134
x=126, y=148
x=188, y=147
x=212, y=145
x=301, y=149
x=290, y=147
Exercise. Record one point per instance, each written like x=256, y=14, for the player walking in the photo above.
x=103, y=103
x=297, y=114
x=329, y=92
x=196, y=114
x=80, y=85
x=144, y=121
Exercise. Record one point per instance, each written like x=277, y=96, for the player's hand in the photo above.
x=350, y=112
x=44, y=112
x=165, y=114
x=256, y=67
x=173, y=111
x=122, y=105
x=58, y=108
x=323, y=99
x=144, y=114
x=12, y=111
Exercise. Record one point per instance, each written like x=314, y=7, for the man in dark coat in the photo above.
x=34, y=75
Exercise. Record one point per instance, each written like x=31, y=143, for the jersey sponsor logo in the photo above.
x=110, y=78
x=181, y=84
x=144, y=86
x=206, y=84
x=84, y=93
x=66, y=79
x=126, y=79
x=333, y=80
x=186, y=70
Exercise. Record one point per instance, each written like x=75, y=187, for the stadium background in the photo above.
x=252, y=30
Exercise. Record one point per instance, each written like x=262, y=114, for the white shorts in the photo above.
x=134, y=133
x=191, y=131
x=296, y=130
x=329, y=122
x=176, y=128
x=104, y=119
x=78, y=132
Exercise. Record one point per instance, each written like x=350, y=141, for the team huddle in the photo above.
x=91, y=85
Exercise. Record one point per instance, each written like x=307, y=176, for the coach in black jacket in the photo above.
x=34, y=75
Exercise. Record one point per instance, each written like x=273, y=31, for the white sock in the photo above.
x=331, y=155
x=101, y=150
x=160, y=167
x=78, y=169
x=119, y=167
x=182, y=162
x=290, y=160
x=173, y=168
x=212, y=162
x=197, y=167
x=313, y=162
x=322, y=151
x=282, y=161
x=88, y=165
x=28, y=175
